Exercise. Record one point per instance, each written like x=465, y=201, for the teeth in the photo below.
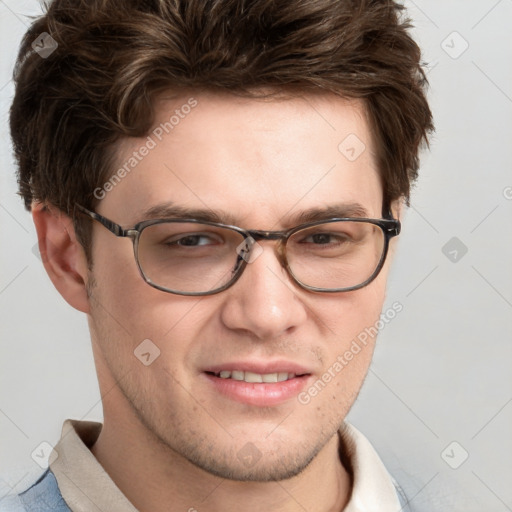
x=256, y=377
x=253, y=377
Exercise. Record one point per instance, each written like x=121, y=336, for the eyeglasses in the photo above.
x=195, y=257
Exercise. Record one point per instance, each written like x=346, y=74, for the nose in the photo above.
x=264, y=302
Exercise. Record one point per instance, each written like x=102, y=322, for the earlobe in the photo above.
x=63, y=256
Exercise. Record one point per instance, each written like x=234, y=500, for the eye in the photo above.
x=192, y=240
x=326, y=238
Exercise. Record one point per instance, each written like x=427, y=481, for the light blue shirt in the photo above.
x=42, y=496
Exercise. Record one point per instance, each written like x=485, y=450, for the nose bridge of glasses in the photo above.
x=279, y=236
x=132, y=233
x=259, y=235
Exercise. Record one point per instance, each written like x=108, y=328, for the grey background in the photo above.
x=441, y=372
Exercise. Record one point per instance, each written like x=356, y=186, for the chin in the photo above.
x=250, y=465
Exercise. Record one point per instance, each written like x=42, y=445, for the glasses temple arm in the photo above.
x=111, y=226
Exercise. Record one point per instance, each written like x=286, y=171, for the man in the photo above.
x=218, y=186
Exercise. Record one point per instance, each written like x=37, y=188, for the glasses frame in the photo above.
x=390, y=228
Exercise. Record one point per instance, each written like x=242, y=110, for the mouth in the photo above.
x=258, y=385
x=252, y=377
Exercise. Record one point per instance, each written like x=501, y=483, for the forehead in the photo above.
x=259, y=159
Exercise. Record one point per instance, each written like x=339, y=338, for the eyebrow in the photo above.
x=169, y=210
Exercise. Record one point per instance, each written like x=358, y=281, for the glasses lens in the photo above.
x=336, y=255
x=188, y=257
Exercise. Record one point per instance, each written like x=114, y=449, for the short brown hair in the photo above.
x=115, y=56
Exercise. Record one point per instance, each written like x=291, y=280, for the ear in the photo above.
x=397, y=207
x=63, y=256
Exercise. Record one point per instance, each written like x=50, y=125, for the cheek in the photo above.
x=349, y=322
x=136, y=311
x=122, y=297
x=348, y=315
x=126, y=311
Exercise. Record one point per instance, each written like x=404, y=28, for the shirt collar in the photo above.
x=83, y=483
x=373, y=489
x=86, y=486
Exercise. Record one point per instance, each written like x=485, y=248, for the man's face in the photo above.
x=263, y=163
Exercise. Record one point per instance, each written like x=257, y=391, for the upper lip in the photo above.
x=260, y=367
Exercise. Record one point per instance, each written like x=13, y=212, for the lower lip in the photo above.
x=258, y=393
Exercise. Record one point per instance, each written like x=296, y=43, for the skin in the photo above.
x=264, y=163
